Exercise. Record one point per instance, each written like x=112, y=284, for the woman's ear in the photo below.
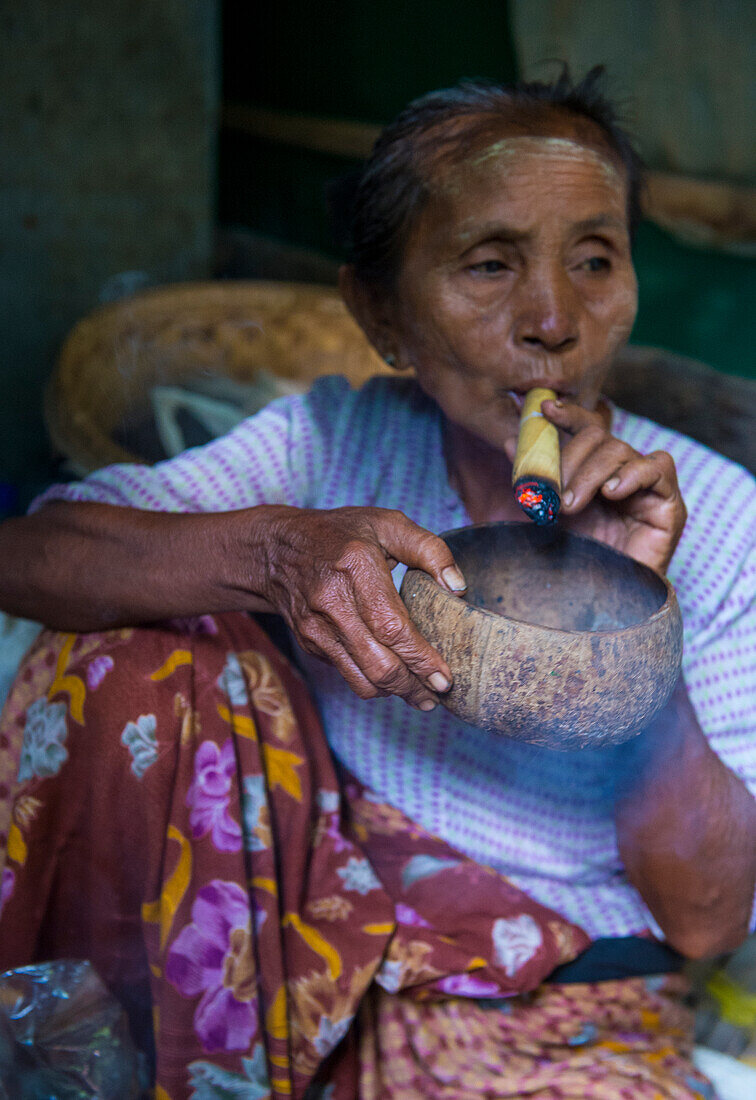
x=370, y=309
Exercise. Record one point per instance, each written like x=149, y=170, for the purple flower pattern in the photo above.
x=194, y=624
x=97, y=670
x=405, y=914
x=209, y=795
x=466, y=985
x=213, y=956
x=7, y=883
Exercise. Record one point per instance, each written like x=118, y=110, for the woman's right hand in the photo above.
x=328, y=574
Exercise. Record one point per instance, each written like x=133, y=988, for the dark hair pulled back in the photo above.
x=373, y=210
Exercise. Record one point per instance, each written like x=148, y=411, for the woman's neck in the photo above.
x=480, y=474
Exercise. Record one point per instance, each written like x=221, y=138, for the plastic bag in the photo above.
x=63, y=1036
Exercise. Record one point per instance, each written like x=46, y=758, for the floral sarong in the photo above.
x=273, y=928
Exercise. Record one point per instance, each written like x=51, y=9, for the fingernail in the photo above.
x=439, y=682
x=453, y=579
x=568, y=497
x=612, y=483
x=427, y=704
x=559, y=404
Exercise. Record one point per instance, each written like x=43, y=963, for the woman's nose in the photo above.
x=547, y=320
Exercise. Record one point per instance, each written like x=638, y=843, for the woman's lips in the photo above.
x=518, y=396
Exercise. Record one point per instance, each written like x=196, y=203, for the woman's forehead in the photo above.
x=523, y=179
x=468, y=139
x=522, y=151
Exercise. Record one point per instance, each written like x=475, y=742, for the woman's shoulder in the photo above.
x=382, y=411
x=335, y=393
x=718, y=545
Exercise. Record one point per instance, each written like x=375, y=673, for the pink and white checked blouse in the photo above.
x=543, y=818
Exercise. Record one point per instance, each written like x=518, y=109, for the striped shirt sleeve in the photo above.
x=275, y=457
x=714, y=573
x=719, y=661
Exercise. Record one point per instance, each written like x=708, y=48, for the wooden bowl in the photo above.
x=560, y=640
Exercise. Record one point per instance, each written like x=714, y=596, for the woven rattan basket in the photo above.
x=167, y=336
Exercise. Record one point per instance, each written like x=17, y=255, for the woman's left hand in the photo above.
x=615, y=494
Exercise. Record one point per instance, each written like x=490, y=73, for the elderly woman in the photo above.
x=411, y=907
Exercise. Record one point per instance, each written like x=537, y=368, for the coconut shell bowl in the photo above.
x=559, y=641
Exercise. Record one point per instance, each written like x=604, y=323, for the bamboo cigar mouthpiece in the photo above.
x=537, y=475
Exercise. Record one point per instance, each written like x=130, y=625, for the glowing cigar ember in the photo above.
x=538, y=500
x=536, y=475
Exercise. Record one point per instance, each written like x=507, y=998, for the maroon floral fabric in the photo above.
x=180, y=822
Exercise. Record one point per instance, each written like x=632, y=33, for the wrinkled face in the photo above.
x=517, y=273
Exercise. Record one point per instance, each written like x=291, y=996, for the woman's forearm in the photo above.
x=326, y=572
x=686, y=828
x=75, y=566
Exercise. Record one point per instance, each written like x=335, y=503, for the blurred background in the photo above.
x=170, y=140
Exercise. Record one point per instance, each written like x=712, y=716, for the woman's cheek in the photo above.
x=625, y=307
x=613, y=324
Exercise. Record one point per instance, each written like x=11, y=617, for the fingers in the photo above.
x=366, y=587
x=420, y=549
x=321, y=643
x=591, y=463
x=370, y=668
x=388, y=622
x=655, y=472
x=384, y=612
x=390, y=675
x=331, y=580
x=594, y=461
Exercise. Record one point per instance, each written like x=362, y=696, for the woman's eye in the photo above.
x=595, y=264
x=488, y=267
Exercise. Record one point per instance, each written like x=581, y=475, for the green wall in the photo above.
x=364, y=62
x=107, y=147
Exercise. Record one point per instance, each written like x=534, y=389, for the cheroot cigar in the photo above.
x=537, y=476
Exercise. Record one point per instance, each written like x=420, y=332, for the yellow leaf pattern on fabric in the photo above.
x=72, y=685
x=240, y=723
x=476, y=963
x=379, y=929
x=17, y=850
x=280, y=766
x=276, y=1021
x=316, y=943
x=614, y=1045
x=151, y=911
x=281, y=1084
x=656, y=1056
x=160, y=1093
x=164, y=910
x=267, y=884
x=177, y=658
